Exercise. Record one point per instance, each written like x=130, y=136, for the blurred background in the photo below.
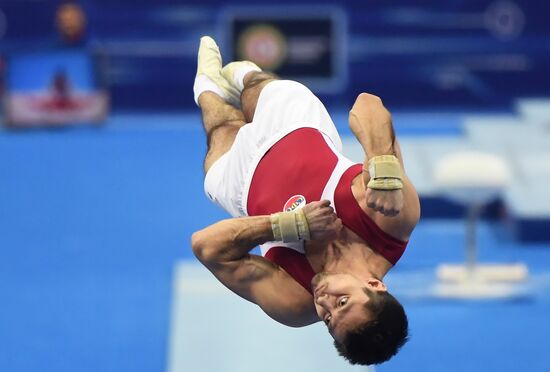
x=101, y=151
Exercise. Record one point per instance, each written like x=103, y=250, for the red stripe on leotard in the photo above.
x=299, y=164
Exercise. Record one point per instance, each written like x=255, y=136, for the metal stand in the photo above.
x=474, y=281
x=474, y=211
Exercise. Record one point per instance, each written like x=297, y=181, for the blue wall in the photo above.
x=414, y=54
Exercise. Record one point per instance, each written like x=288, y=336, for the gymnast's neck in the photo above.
x=347, y=254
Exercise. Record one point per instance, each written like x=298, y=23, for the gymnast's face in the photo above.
x=340, y=301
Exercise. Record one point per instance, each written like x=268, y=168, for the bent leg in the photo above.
x=254, y=82
x=221, y=123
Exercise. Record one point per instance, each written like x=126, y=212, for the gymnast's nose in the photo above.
x=323, y=300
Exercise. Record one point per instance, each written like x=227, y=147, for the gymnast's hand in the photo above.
x=387, y=202
x=323, y=222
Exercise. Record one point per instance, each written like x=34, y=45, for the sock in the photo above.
x=240, y=73
x=203, y=84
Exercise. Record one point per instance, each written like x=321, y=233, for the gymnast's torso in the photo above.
x=303, y=167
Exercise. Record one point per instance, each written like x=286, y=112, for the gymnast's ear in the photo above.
x=376, y=285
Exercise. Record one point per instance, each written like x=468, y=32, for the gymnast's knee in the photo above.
x=252, y=89
x=223, y=132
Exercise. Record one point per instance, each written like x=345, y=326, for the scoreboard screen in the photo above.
x=303, y=44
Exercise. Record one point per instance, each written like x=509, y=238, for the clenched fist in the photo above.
x=323, y=222
x=387, y=202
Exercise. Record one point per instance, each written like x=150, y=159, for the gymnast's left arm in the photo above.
x=388, y=189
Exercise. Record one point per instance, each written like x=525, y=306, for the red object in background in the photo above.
x=24, y=110
x=60, y=98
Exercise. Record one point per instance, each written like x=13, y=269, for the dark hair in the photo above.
x=377, y=340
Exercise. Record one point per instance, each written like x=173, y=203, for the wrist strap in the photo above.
x=290, y=226
x=385, y=173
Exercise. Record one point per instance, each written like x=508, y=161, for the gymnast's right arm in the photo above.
x=224, y=249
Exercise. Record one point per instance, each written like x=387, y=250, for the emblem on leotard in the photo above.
x=295, y=202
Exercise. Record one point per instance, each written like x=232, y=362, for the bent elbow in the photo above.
x=368, y=109
x=203, y=248
x=197, y=245
x=367, y=101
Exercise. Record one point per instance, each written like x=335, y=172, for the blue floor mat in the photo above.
x=92, y=222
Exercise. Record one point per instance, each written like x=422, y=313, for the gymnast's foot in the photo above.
x=235, y=72
x=209, y=77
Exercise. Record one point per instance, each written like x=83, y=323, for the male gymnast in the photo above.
x=329, y=229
